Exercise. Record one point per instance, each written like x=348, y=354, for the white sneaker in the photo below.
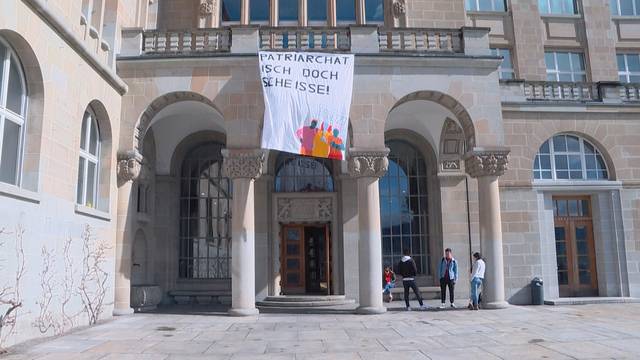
x=423, y=307
x=442, y=306
x=408, y=308
x=453, y=305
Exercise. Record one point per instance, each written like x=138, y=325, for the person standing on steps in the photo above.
x=477, y=276
x=408, y=270
x=448, y=273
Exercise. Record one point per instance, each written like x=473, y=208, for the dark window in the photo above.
x=231, y=10
x=297, y=173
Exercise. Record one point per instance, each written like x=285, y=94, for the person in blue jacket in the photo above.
x=448, y=272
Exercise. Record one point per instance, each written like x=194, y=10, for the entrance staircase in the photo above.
x=305, y=301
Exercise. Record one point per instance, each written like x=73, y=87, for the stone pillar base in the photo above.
x=243, y=312
x=122, y=312
x=495, y=305
x=371, y=310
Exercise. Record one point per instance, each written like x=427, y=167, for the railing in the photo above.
x=630, y=92
x=310, y=38
x=563, y=91
x=420, y=40
x=181, y=42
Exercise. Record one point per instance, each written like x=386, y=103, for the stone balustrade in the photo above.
x=420, y=40
x=550, y=90
x=184, y=42
x=630, y=92
x=519, y=91
x=305, y=38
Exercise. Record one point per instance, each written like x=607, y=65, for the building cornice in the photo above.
x=41, y=8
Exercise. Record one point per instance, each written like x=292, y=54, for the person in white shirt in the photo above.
x=477, y=276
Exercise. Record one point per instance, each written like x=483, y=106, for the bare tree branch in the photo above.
x=11, y=296
x=93, y=280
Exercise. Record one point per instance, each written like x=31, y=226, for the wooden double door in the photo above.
x=575, y=248
x=305, y=259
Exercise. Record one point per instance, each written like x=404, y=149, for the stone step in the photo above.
x=202, y=297
x=591, y=300
x=304, y=301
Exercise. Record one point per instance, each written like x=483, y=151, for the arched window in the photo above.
x=89, y=163
x=569, y=157
x=13, y=106
x=302, y=174
x=403, y=206
x=205, y=215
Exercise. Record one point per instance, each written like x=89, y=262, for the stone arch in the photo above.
x=160, y=103
x=191, y=142
x=448, y=102
x=550, y=133
x=34, y=119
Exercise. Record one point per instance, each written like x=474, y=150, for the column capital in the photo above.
x=129, y=165
x=368, y=163
x=486, y=161
x=243, y=163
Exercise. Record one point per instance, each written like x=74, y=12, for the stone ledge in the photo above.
x=19, y=193
x=91, y=212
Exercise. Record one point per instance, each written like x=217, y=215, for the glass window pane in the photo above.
x=499, y=5
x=316, y=10
x=626, y=7
x=569, y=6
x=346, y=10
x=15, y=91
x=543, y=6
x=563, y=61
x=545, y=162
x=374, y=10
x=91, y=185
x=260, y=10
x=10, y=153
x=613, y=5
x=544, y=149
x=231, y=10
x=470, y=5
x=556, y=6
x=559, y=143
x=590, y=162
x=3, y=53
x=633, y=79
x=561, y=209
x=485, y=5
x=288, y=10
x=633, y=63
x=573, y=144
x=620, y=60
x=93, y=140
x=563, y=175
x=561, y=162
x=80, y=187
x=550, y=61
x=83, y=133
x=637, y=12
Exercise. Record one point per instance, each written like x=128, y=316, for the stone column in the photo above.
x=361, y=17
x=367, y=166
x=129, y=165
x=245, y=13
x=302, y=13
x=487, y=165
x=243, y=166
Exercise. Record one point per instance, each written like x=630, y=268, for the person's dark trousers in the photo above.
x=443, y=287
x=411, y=284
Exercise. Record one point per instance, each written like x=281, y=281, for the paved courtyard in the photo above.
x=543, y=332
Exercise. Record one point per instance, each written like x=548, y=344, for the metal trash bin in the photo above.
x=537, y=291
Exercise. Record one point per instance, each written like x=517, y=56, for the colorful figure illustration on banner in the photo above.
x=319, y=142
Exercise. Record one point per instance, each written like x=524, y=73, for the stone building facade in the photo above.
x=132, y=174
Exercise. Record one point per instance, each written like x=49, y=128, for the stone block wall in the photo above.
x=435, y=13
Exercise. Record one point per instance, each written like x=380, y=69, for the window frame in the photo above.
x=493, y=6
x=626, y=72
x=85, y=154
x=7, y=114
x=618, y=8
x=558, y=72
x=548, y=8
x=583, y=162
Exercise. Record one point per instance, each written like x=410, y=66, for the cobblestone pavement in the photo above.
x=519, y=332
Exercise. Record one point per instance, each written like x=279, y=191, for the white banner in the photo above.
x=307, y=97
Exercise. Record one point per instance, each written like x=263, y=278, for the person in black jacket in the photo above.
x=408, y=270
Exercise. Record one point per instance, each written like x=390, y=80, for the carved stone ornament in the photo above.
x=129, y=165
x=304, y=209
x=487, y=163
x=207, y=8
x=241, y=163
x=399, y=8
x=368, y=163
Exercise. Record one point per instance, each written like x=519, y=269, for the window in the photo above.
x=302, y=174
x=565, y=66
x=486, y=5
x=403, y=206
x=259, y=11
x=569, y=157
x=13, y=106
x=346, y=11
x=629, y=68
x=230, y=10
x=88, y=165
x=205, y=215
x=374, y=10
x=288, y=10
x=562, y=7
x=506, y=67
x=625, y=7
